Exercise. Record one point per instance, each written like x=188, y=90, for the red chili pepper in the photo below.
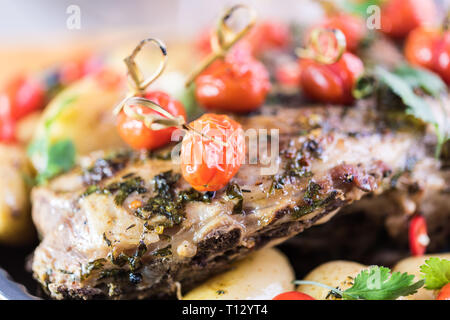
x=331, y=83
x=239, y=83
x=137, y=135
x=444, y=294
x=351, y=26
x=418, y=236
x=399, y=17
x=213, y=153
x=293, y=295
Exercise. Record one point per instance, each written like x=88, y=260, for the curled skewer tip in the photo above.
x=137, y=80
x=223, y=39
x=317, y=52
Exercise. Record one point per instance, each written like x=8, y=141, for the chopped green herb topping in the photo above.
x=86, y=270
x=164, y=252
x=234, y=193
x=167, y=203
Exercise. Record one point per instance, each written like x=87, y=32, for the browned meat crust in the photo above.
x=94, y=245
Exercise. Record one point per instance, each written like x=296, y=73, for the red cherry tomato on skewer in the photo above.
x=444, y=293
x=351, y=26
x=399, y=17
x=331, y=83
x=137, y=135
x=238, y=83
x=418, y=236
x=293, y=295
x=210, y=159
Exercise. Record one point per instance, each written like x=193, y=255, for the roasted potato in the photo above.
x=81, y=114
x=262, y=275
x=15, y=221
x=412, y=266
x=334, y=274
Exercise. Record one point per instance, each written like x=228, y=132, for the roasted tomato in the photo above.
x=430, y=48
x=293, y=295
x=444, y=293
x=25, y=95
x=239, y=83
x=137, y=135
x=288, y=74
x=213, y=152
x=399, y=17
x=268, y=35
x=331, y=83
x=351, y=26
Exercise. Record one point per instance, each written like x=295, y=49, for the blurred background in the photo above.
x=26, y=21
x=35, y=33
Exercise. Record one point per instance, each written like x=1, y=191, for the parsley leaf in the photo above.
x=57, y=158
x=54, y=157
x=416, y=106
x=436, y=273
x=429, y=82
x=378, y=283
x=403, y=82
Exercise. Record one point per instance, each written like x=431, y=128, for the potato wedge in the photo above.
x=412, y=266
x=16, y=227
x=262, y=275
x=334, y=274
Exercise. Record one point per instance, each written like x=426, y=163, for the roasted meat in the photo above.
x=126, y=225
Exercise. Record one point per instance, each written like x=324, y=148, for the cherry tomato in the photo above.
x=351, y=26
x=208, y=164
x=331, y=83
x=202, y=42
x=399, y=17
x=430, y=48
x=444, y=294
x=442, y=57
x=137, y=135
x=25, y=95
x=288, y=74
x=71, y=71
x=418, y=236
x=268, y=35
x=108, y=79
x=7, y=128
x=420, y=46
x=293, y=295
x=238, y=83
